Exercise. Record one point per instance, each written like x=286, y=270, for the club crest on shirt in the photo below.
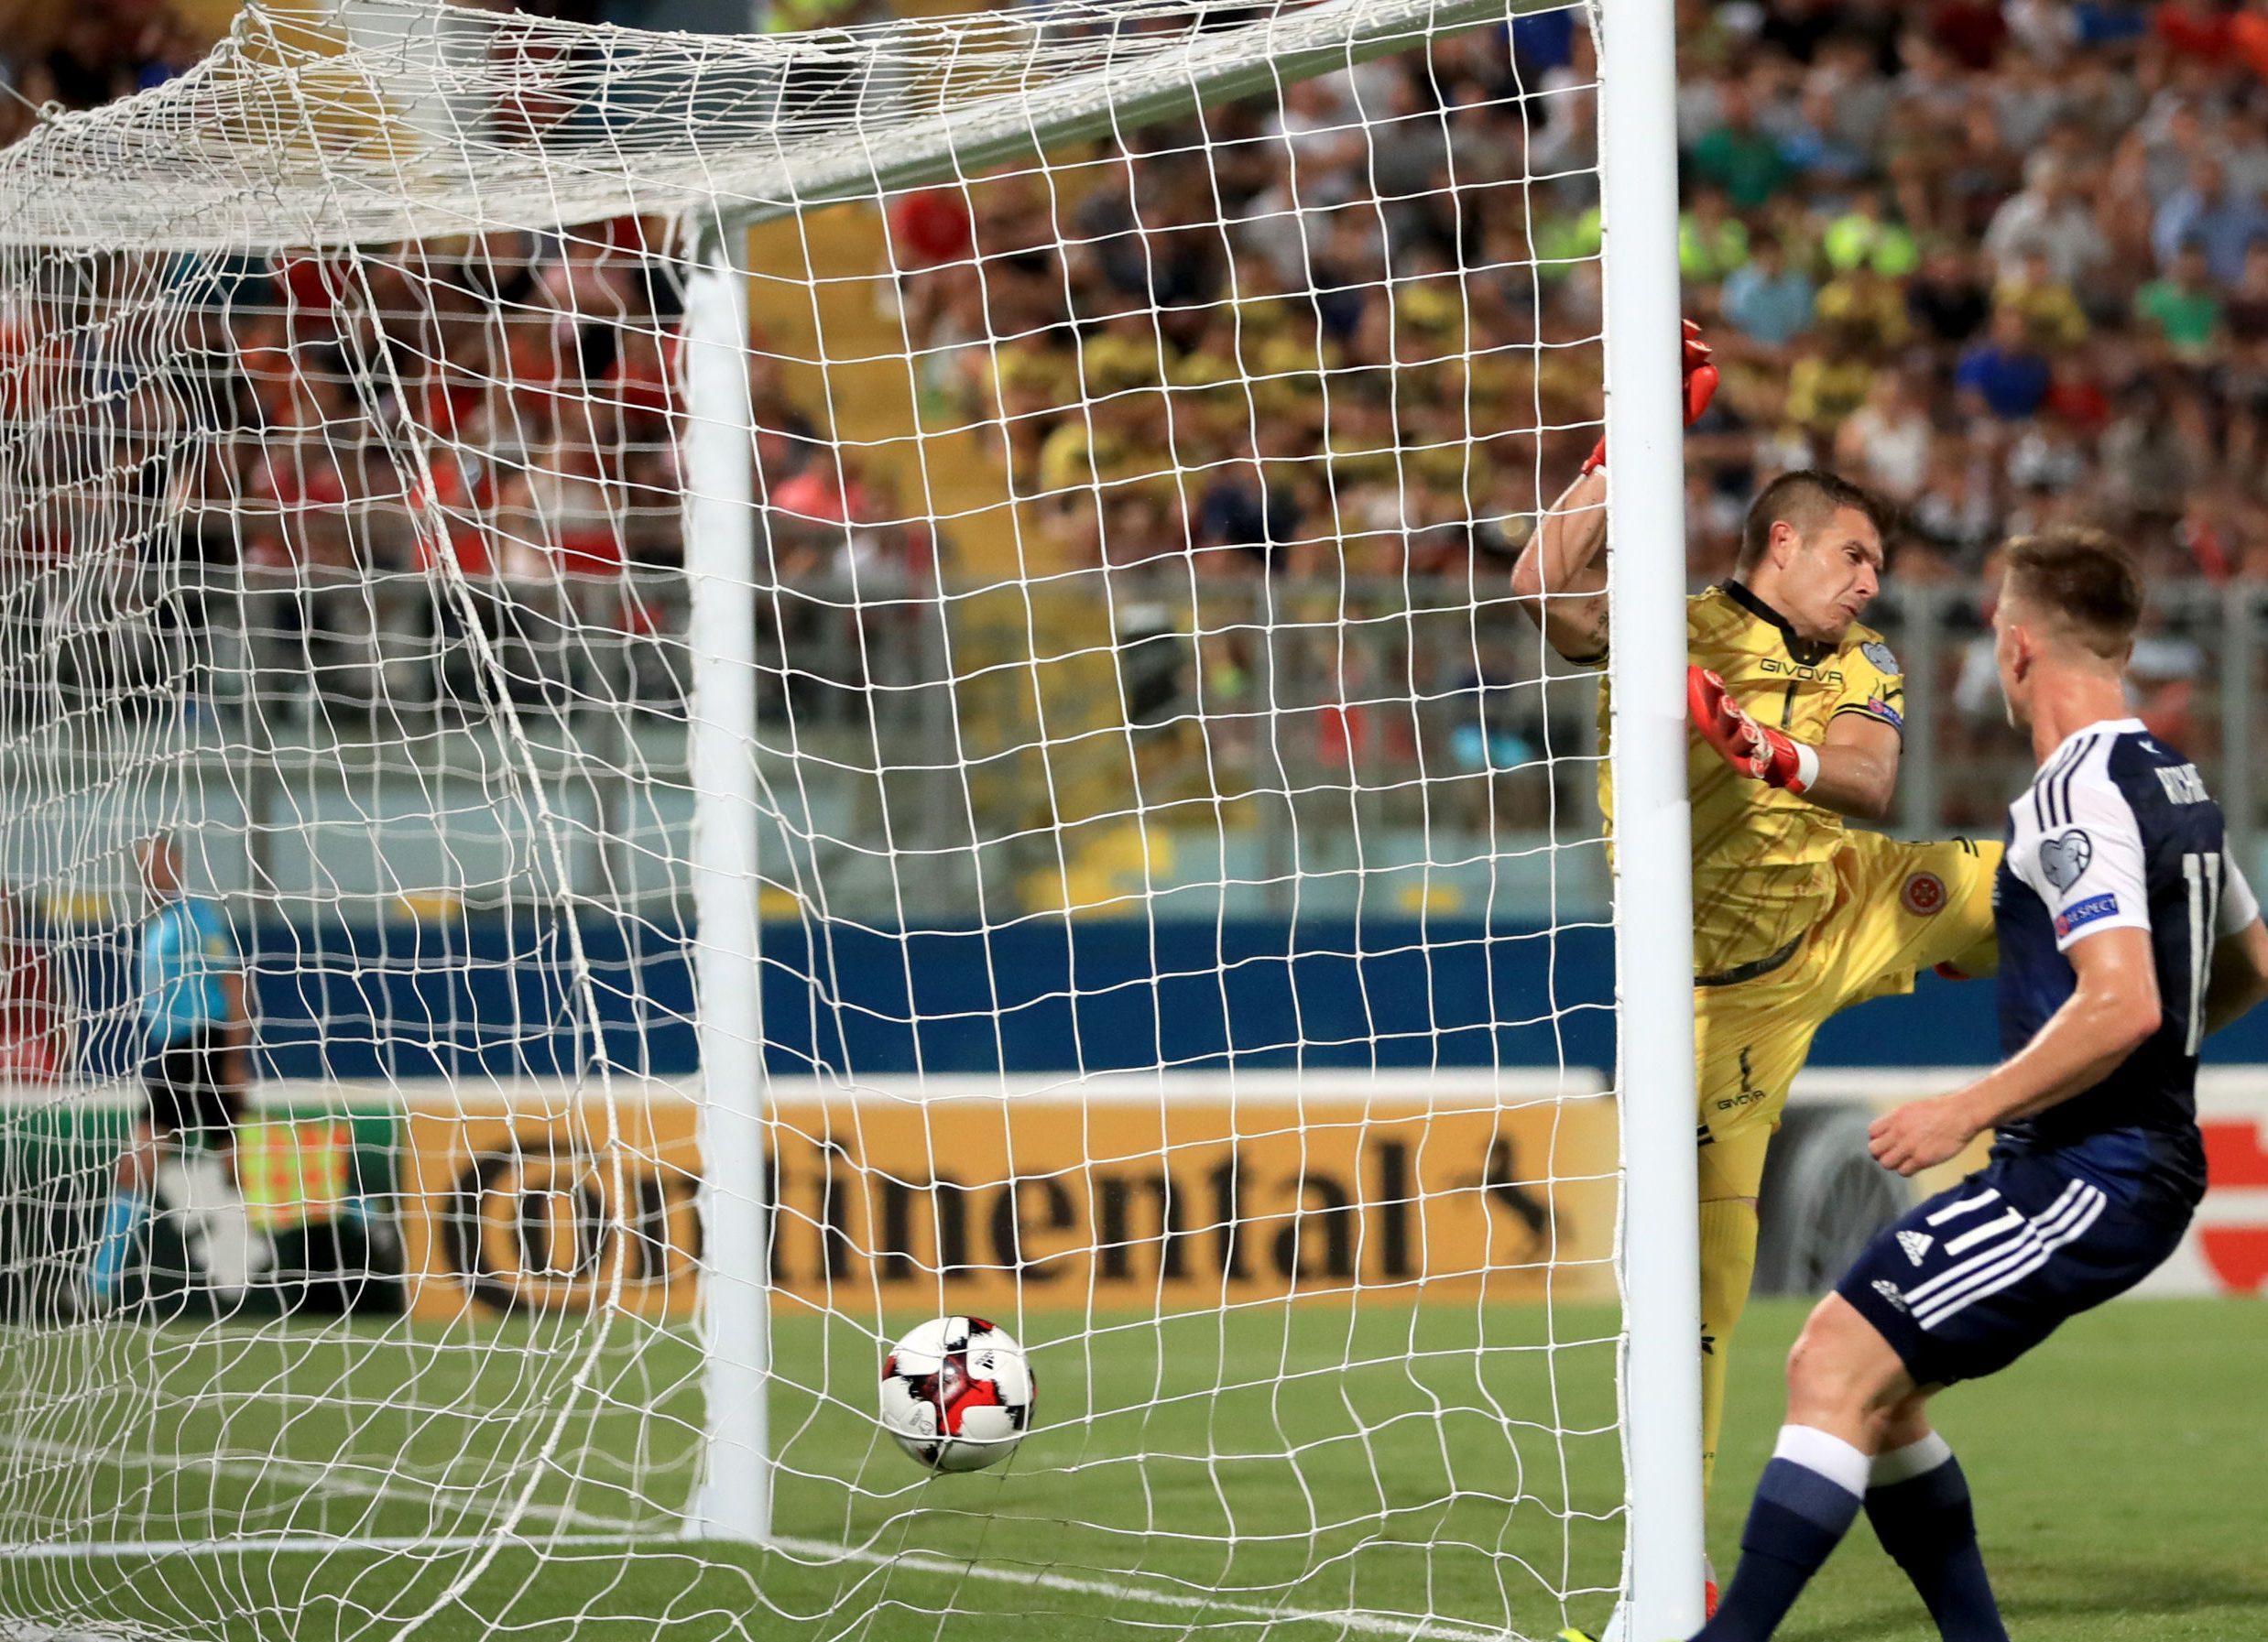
x=1879, y=653
x=1924, y=894
x=2064, y=857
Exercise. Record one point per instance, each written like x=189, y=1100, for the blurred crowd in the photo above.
x=1309, y=334
x=319, y=442
x=93, y=52
x=411, y=472
x=2007, y=263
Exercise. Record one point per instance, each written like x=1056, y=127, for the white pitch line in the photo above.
x=1360, y=1621
x=318, y=1478
x=237, y=1545
x=1351, y=1619
x=1346, y=1619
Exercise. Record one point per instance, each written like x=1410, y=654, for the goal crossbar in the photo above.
x=935, y=100
x=1206, y=71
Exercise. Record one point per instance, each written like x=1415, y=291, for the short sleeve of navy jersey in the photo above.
x=2237, y=907
x=2082, y=852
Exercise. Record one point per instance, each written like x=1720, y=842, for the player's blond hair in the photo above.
x=2082, y=581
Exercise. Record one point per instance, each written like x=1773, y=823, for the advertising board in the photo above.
x=1179, y=1192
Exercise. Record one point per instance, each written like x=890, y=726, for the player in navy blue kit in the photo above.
x=2126, y=935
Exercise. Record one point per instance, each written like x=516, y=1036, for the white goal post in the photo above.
x=1027, y=704
x=1653, y=844
x=734, y=1500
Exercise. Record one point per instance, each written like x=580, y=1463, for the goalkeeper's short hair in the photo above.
x=1807, y=499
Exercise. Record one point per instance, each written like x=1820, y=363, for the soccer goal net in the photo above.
x=779, y=859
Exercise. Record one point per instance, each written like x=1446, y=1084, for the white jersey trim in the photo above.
x=2238, y=908
x=2075, y=842
x=2031, y=1248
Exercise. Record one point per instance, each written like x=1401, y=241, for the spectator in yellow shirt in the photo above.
x=1863, y=310
x=1127, y=354
x=1829, y=381
x=2050, y=309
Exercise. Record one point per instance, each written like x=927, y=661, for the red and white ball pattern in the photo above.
x=957, y=1394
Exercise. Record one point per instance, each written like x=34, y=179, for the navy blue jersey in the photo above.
x=2117, y=832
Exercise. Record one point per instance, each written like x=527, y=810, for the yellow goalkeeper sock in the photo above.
x=1728, y=1265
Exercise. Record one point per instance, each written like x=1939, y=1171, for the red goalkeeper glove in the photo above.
x=1770, y=756
x=1700, y=388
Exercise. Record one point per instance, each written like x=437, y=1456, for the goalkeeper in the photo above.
x=1796, y=711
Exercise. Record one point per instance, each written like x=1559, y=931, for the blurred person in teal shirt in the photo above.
x=1769, y=299
x=195, y=1036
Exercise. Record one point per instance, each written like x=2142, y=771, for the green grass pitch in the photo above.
x=2117, y=1472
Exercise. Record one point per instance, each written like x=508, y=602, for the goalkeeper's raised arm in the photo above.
x=1558, y=580
x=1811, y=561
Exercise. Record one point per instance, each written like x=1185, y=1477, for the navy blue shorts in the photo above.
x=1964, y=1283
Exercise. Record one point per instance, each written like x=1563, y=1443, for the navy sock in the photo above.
x=1919, y=1507
x=1805, y=1502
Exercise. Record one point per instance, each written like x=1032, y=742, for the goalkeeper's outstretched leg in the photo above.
x=1899, y=908
x=1749, y=1042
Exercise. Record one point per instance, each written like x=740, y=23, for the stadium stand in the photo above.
x=2007, y=263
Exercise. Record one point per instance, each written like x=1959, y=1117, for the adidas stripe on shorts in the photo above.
x=1964, y=1283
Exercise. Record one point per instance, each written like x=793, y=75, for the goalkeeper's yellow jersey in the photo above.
x=1764, y=859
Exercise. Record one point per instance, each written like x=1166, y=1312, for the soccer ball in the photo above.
x=957, y=1394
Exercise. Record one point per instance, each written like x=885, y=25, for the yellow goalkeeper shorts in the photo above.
x=1899, y=908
